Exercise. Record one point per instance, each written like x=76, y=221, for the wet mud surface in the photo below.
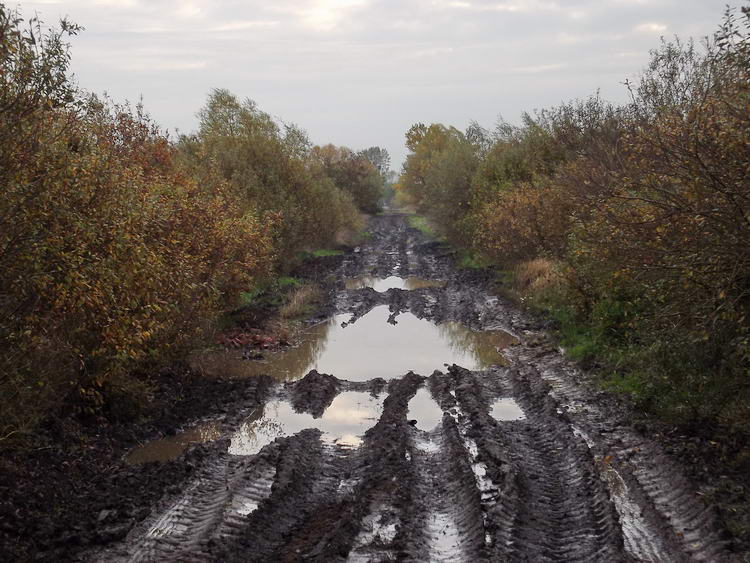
x=515, y=459
x=422, y=420
x=74, y=490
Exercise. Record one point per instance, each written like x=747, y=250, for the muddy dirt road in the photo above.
x=439, y=424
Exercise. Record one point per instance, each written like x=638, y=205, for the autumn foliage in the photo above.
x=119, y=248
x=643, y=211
x=270, y=168
x=353, y=174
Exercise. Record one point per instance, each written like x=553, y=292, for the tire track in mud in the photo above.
x=562, y=510
x=568, y=482
x=212, y=508
x=661, y=515
x=448, y=503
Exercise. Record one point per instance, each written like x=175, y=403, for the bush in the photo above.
x=272, y=171
x=112, y=257
x=119, y=249
x=642, y=208
x=353, y=174
x=437, y=177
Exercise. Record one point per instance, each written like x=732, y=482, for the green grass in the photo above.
x=470, y=260
x=578, y=338
x=323, y=252
x=249, y=297
x=420, y=223
x=319, y=253
x=269, y=292
x=287, y=281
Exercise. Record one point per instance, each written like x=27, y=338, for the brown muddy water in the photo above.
x=171, y=447
x=344, y=421
x=368, y=348
x=365, y=349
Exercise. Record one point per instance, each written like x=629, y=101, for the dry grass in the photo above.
x=281, y=330
x=534, y=276
x=221, y=364
x=299, y=301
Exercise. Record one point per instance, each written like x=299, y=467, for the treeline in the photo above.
x=119, y=247
x=630, y=223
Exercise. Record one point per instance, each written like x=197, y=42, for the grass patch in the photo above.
x=322, y=253
x=269, y=292
x=535, y=276
x=300, y=301
x=251, y=296
x=470, y=260
x=422, y=225
x=577, y=338
x=285, y=282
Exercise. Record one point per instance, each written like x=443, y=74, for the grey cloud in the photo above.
x=360, y=72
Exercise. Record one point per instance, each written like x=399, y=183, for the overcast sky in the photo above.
x=360, y=72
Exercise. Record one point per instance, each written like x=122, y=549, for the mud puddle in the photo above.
x=348, y=417
x=172, y=447
x=343, y=423
x=392, y=282
x=368, y=348
x=371, y=347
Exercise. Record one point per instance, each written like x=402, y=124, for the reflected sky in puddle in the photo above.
x=344, y=422
x=172, y=447
x=392, y=282
x=424, y=410
x=369, y=348
x=507, y=409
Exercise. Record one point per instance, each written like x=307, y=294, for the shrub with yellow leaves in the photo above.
x=645, y=210
x=112, y=255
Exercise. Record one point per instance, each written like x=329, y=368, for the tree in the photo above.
x=272, y=171
x=352, y=173
x=437, y=173
x=379, y=158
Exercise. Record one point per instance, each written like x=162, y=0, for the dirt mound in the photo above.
x=314, y=392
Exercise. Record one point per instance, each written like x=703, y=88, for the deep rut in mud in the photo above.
x=554, y=475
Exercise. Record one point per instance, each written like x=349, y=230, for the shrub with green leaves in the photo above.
x=643, y=209
x=269, y=167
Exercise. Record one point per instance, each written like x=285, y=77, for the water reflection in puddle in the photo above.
x=172, y=447
x=286, y=365
x=371, y=347
x=424, y=410
x=507, y=409
x=392, y=282
x=344, y=422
